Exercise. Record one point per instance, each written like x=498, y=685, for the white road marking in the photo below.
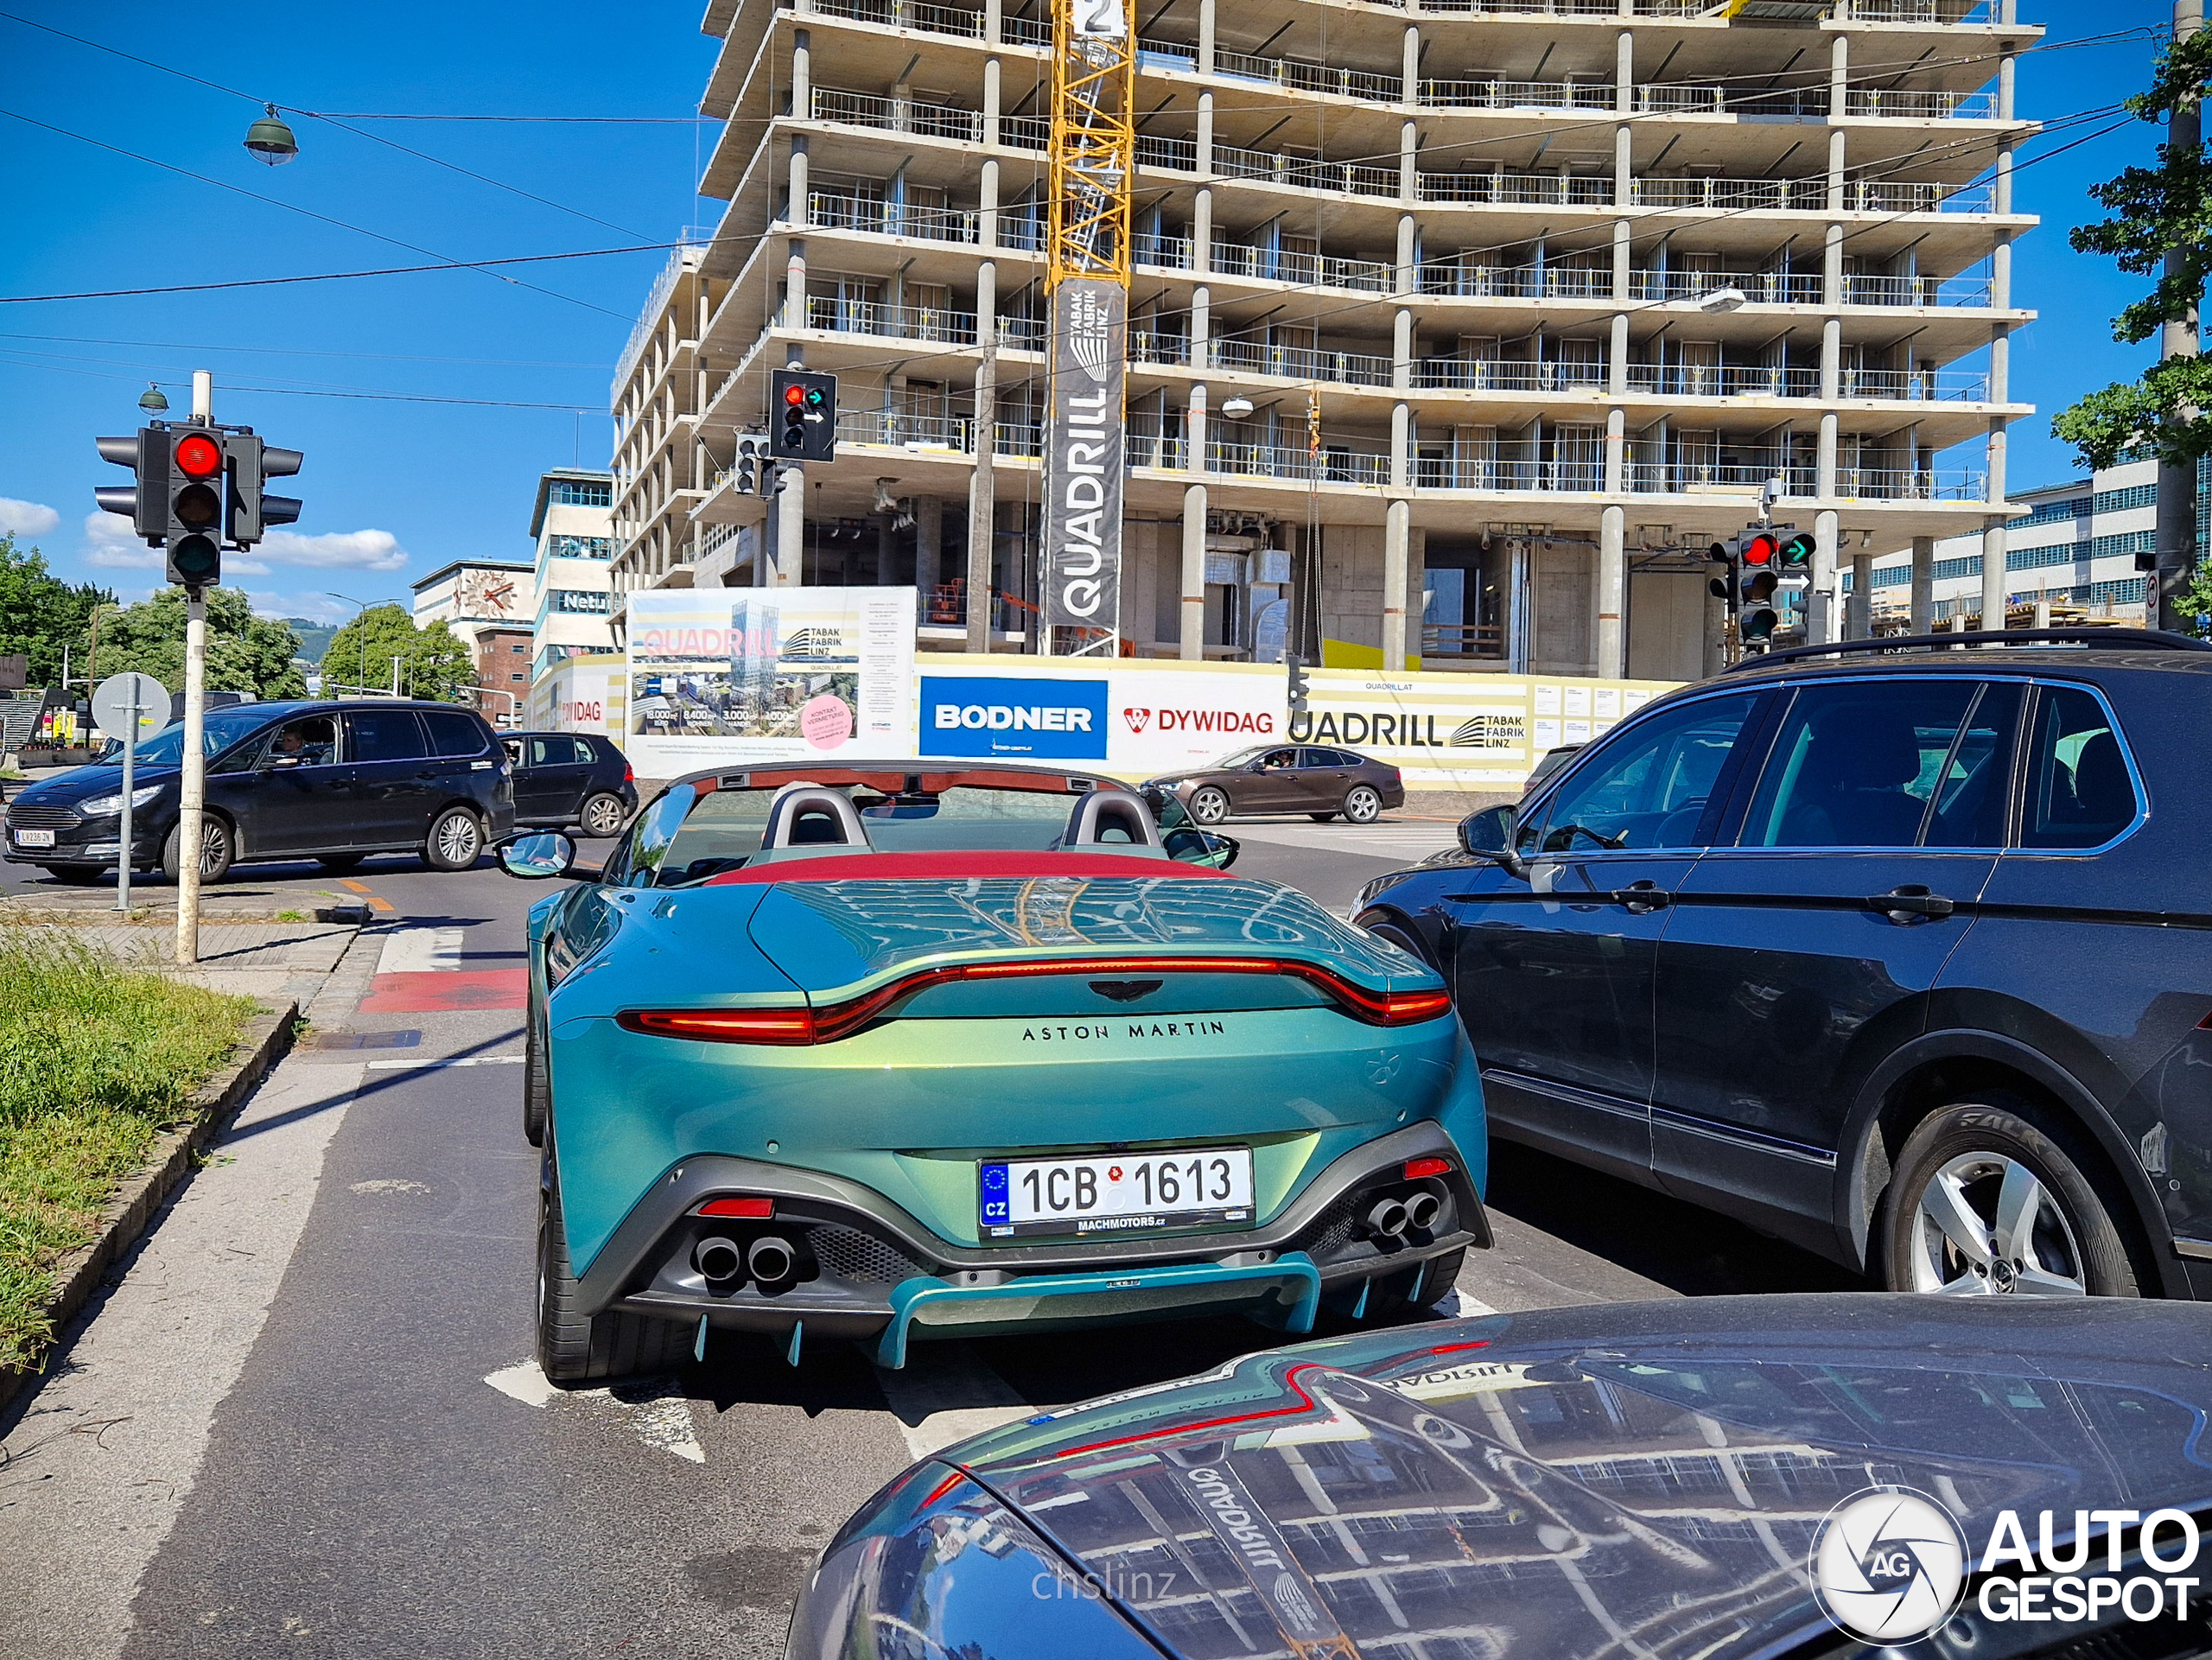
x=429, y=1066
x=420, y=950
x=945, y=1394
x=392, y=1185
x=653, y=1409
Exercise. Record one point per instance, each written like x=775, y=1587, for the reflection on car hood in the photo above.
x=1638, y=1479
x=66, y=788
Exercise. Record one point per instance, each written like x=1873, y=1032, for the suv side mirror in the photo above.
x=536, y=856
x=1489, y=835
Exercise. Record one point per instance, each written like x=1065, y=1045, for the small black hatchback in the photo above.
x=331, y=781
x=1897, y=950
x=571, y=778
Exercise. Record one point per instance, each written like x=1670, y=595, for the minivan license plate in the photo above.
x=1117, y=1193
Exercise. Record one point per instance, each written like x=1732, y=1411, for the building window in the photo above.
x=517, y=677
x=579, y=547
x=582, y=492
x=517, y=648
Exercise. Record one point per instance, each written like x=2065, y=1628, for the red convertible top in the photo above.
x=956, y=865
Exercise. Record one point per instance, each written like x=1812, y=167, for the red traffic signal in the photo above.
x=795, y=395
x=1760, y=548
x=199, y=456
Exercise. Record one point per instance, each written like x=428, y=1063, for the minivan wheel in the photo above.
x=1985, y=1202
x=455, y=840
x=1208, y=805
x=215, y=850
x=602, y=815
x=1362, y=805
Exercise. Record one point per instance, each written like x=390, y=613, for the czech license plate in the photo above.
x=1115, y=1193
x=29, y=838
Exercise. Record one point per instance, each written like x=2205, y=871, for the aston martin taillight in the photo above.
x=785, y=1026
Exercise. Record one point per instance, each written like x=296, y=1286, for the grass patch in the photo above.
x=96, y=1061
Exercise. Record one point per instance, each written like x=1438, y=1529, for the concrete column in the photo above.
x=987, y=208
x=1616, y=362
x=992, y=99
x=1838, y=76
x=1410, y=66
x=1613, y=592
x=1832, y=268
x=794, y=283
x=1408, y=163
x=1861, y=624
x=1201, y=327
x=993, y=23
x=1616, y=481
x=1397, y=539
x=1624, y=73
x=982, y=483
x=1408, y=283
x=1923, y=584
x=1820, y=620
x=1622, y=267
x=1207, y=32
x=1836, y=191
x=1201, y=233
x=1194, y=429
x=928, y=543
x=1826, y=456
x=1191, y=640
x=1401, y=445
x=802, y=75
x=2004, y=87
x=1994, y=585
x=1401, y=350
x=1831, y=359
x=791, y=528
x=1623, y=168
x=1204, y=141
x=797, y=183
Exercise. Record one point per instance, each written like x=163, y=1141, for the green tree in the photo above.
x=2166, y=411
x=244, y=652
x=432, y=662
x=40, y=613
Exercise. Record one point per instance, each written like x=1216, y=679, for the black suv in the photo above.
x=571, y=778
x=326, y=781
x=1896, y=950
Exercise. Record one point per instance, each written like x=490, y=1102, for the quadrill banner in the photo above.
x=718, y=675
x=1082, y=456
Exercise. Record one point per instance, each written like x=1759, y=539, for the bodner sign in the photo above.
x=1009, y=715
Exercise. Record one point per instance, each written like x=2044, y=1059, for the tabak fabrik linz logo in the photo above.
x=1889, y=1566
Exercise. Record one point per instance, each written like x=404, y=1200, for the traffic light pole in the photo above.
x=194, y=784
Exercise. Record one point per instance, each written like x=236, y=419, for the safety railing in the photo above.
x=1711, y=195
x=1334, y=463
x=1160, y=250
x=1026, y=31
x=1690, y=98
x=1146, y=347
x=908, y=14
x=1757, y=288
x=1025, y=131
x=1020, y=230
x=1890, y=103
x=847, y=317
x=1723, y=380
x=1486, y=94
x=1452, y=279
x=1305, y=172
x=1521, y=189
x=1298, y=75
x=896, y=114
x=900, y=429
x=1557, y=474
x=1914, y=385
x=1505, y=375
x=837, y=211
x=1477, y=639
x=1308, y=270
x=1306, y=363
x=1177, y=154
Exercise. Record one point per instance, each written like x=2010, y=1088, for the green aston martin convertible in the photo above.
x=906, y=1052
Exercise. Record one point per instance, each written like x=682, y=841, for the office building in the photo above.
x=572, y=525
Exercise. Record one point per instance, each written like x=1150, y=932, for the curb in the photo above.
x=265, y=1041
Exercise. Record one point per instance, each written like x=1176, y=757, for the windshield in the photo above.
x=689, y=840
x=223, y=727
x=1243, y=758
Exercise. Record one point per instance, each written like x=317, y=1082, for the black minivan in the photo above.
x=330, y=781
x=1899, y=952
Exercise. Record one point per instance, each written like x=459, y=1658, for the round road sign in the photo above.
x=116, y=697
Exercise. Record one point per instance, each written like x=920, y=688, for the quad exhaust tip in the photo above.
x=1388, y=1219
x=1421, y=1212
x=771, y=1260
x=718, y=1259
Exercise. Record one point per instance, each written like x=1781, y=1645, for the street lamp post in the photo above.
x=360, y=616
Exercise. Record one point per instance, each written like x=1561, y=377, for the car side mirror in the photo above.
x=536, y=856
x=1198, y=847
x=1490, y=834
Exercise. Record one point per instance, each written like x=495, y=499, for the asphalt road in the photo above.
x=305, y=1421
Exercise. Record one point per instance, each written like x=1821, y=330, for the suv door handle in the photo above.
x=1911, y=903
x=1642, y=898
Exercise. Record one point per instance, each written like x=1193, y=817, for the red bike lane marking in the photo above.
x=445, y=989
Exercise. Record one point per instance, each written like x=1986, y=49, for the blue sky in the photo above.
x=395, y=489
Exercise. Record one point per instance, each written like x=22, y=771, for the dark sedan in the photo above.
x=1285, y=778
x=327, y=781
x=571, y=778
x=1714, y=1479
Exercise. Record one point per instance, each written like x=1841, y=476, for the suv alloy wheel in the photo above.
x=455, y=840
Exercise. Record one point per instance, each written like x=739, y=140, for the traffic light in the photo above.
x=1755, y=580
x=1296, y=668
x=1797, y=554
x=1723, y=588
x=754, y=467
x=806, y=414
x=195, y=507
x=145, y=503
x=251, y=510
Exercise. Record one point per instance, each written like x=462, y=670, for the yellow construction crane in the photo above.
x=1092, y=163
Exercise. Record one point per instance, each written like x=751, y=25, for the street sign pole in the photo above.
x=130, y=783
x=121, y=704
x=194, y=779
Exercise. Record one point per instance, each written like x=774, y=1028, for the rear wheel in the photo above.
x=455, y=840
x=215, y=851
x=338, y=863
x=1438, y=1275
x=602, y=815
x=537, y=1088
x=1208, y=805
x=1987, y=1202
x=1362, y=805
x=577, y=1348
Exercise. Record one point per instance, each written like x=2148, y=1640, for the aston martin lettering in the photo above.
x=1097, y=1031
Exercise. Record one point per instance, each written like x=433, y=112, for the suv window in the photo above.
x=311, y=741
x=1649, y=787
x=1977, y=788
x=385, y=735
x=1854, y=764
x=453, y=733
x=2079, y=794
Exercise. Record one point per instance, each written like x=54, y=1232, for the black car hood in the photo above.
x=1623, y=1480
x=67, y=789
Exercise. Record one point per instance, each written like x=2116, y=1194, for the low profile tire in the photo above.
x=1439, y=1275
x=338, y=863
x=455, y=842
x=1987, y=1202
x=1363, y=804
x=76, y=876
x=536, y=1087
x=216, y=851
x=602, y=815
x=1208, y=805
x=577, y=1348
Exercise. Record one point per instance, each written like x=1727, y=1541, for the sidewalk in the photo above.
x=328, y=963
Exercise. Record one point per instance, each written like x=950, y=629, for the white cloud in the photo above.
x=311, y=607
x=110, y=544
x=27, y=518
x=335, y=551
